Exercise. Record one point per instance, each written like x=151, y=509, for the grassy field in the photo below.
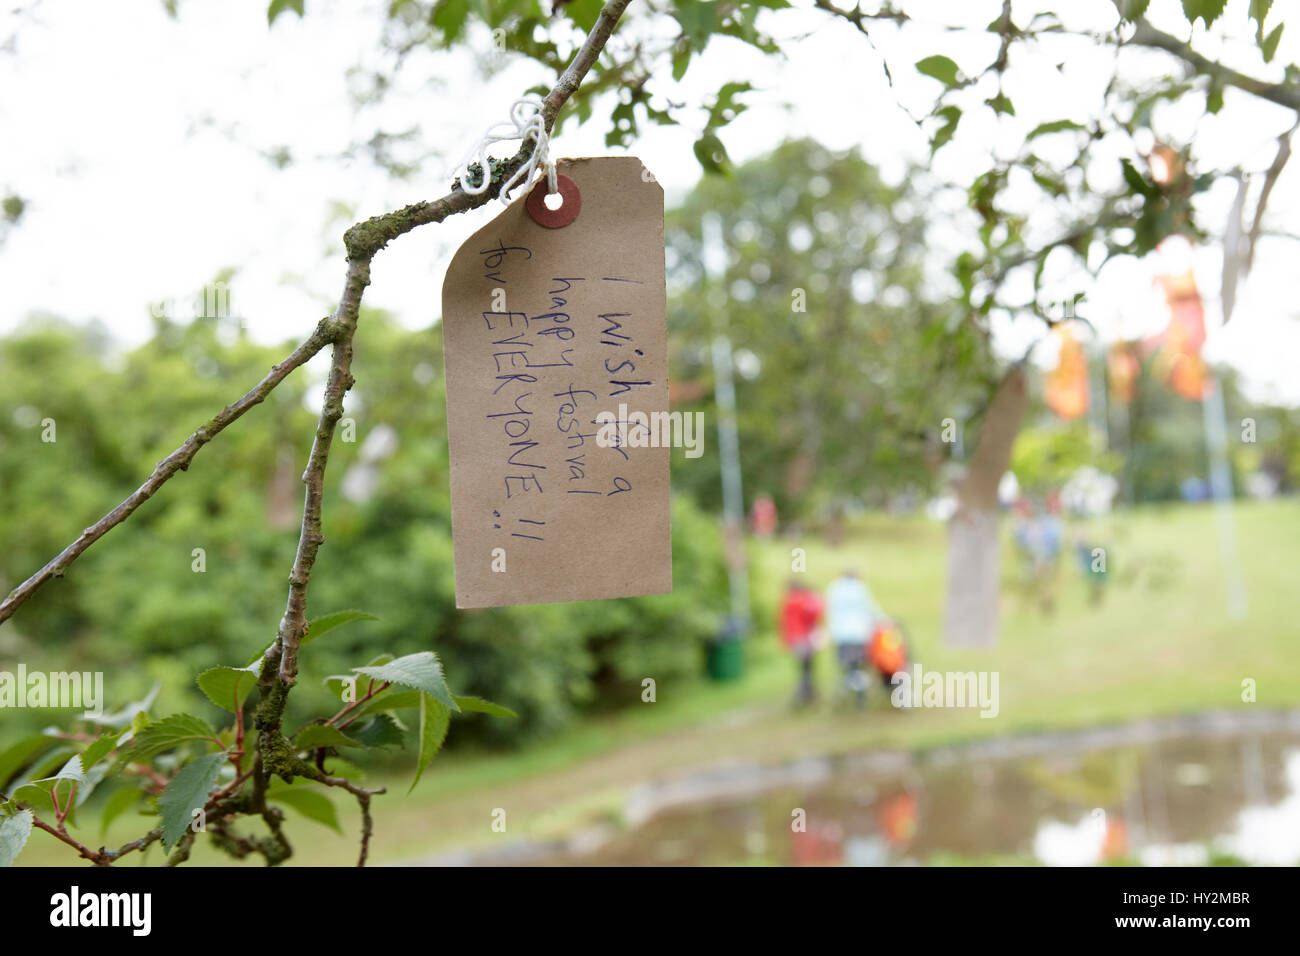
x=1160, y=643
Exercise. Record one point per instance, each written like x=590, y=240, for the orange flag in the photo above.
x=1123, y=367
x=1066, y=386
x=1178, y=359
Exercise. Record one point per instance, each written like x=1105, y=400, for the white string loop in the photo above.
x=527, y=121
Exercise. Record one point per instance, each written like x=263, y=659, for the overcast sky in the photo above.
x=142, y=145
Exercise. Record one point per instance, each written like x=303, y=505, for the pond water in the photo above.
x=1188, y=791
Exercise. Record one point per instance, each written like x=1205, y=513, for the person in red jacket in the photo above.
x=801, y=611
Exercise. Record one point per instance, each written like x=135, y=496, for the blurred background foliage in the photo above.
x=841, y=407
x=135, y=607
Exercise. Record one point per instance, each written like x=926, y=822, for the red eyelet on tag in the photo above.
x=554, y=218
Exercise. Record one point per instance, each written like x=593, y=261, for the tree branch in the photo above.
x=274, y=753
x=1283, y=94
x=177, y=461
x=366, y=238
x=363, y=241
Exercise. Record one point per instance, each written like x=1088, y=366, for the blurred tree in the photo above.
x=846, y=359
x=388, y=527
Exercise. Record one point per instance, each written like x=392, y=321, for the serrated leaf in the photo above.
x=435, y=718
x=278, y=7
x=327, y=623
x=1207, y=10
x=312, y=804
x=167, y=733
x=322, y=735
x=482, y=706
x=1133, y=9
x=117, y=804
x=227, y=687
x=71, y=771
x=99, y=749
x=420, y=671
x=185, y=793
x=940, y=67
x=380, y=731
x=14, y=832
x=94, y=776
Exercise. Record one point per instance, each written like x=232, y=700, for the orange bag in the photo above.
x=887, y=650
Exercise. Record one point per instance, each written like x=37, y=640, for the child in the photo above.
x=800, y=612
x=851, y=612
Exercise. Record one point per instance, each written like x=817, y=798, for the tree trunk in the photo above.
x=974, y=560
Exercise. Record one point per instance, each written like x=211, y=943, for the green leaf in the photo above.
x=380, y=731
x=117, y=804
x=322, y=735
x=951, y=117
x=483, y=706
x=328, y=622
x=14, y=832
x=1259, y=10
x=583, y=13
x=420, y=671
x=390, y=700
x=1269, y=45
x=312, y=804
x=725, y=106
x=1207, y=10
x=278, y=7
x=449, y=16
x=99, y=749
x=1002, y=104
x=71, y=771
x=682, y=53
x=1137, y=182
x=44, y=766
x=941, y=68
x=1055, y=126
x=227, y=687
x=185, y=793
x=1134, y=9
x=167, y=733
x=435, y=718
x=21, y=754
x=712, y=154
x=698, y=21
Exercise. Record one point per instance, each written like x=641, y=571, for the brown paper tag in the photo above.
x=554, y=339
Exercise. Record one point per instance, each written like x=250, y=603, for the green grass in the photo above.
x=1161, y=643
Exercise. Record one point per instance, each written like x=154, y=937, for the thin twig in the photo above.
x=177, y=461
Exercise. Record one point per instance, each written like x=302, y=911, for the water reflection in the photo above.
x=1208, y=790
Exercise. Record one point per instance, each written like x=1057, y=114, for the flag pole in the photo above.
x=1215, y=417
